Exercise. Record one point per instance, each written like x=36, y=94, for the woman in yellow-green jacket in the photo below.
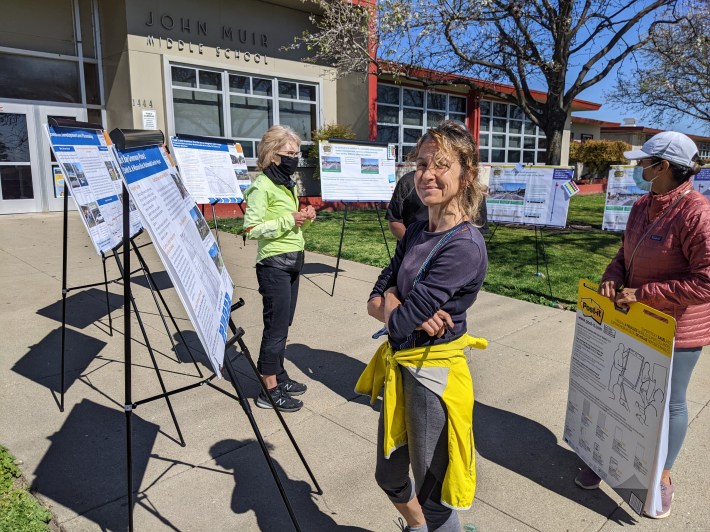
x=274, y=219
x=439, y=266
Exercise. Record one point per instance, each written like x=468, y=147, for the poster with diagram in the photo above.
x=184, y=242
x=89, y=168
x=619, y=384
x=621, y=194
x=213, y=170
x=530, y=195
x=701, y=181
x=356, y=172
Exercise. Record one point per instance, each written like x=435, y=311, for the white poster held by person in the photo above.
x=619, y=384
x=184, y=243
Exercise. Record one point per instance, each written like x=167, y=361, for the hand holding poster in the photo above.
x=533, y=195
x=619, y=384
x=210, y=169
x=90, y=170
x=184, y=243
x=354, y=172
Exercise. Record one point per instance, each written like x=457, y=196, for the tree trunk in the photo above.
x=554, y=129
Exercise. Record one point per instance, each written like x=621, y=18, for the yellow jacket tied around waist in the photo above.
x=459, y=485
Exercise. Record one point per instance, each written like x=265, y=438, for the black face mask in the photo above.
x=288, y=164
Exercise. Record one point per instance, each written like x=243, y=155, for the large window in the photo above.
x=404, y=114
x=508, y=136
x=218, y=103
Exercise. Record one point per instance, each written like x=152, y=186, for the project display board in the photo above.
x=619, y=384
x=184, y=243
x=532, y=195
x=89, y=168
x=355, y=172
x=621, y=194
x=701, y=181
x=211, y=170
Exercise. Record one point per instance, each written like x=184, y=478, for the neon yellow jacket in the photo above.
x=459, y=485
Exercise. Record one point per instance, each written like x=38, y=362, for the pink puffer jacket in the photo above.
x=672, y=263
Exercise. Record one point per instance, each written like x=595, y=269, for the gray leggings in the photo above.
x=684, y=361
x=426, y=451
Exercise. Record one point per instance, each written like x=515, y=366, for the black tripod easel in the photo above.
x=539, y=251
x=342, y=235
x=127, y=139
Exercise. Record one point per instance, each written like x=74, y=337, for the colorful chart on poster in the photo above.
x=531, y=195
x=211, y=170
x=621, y=194
x=184, y=243
x=617, y=407
x=356, y=172
x=88, y=166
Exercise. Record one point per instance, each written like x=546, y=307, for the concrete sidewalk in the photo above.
x=220, y=481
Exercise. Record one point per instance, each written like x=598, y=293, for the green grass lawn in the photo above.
x=581, y=251
x=19, y=511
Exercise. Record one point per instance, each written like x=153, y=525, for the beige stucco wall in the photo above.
x=353, y=105
x=634, y=138
x=577, y=129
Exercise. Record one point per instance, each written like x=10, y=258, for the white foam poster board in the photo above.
x=621, y=194
x=356, y=172
x=530, y=195
x=88, y=166
x=184, y=243
x=211, y=170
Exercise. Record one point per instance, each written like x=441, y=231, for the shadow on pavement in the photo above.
x=531, y=450
x=85, y=465
x=42, y=363
x=83, y=308
x=256, y=491
x=337, y=371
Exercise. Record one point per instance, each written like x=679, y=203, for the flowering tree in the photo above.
x=561, y=47
x=672, y=79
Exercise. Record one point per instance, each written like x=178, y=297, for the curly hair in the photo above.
x=272, y=141
x=454, y=140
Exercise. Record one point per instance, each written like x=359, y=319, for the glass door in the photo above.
x=19, y=173
x=52, y=177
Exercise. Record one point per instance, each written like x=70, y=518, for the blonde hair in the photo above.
x=272, y=141
x=454, y=140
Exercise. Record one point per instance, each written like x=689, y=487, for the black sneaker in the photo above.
x=283, y=402
x=293, y=388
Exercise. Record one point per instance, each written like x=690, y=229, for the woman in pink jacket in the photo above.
x=664, y=262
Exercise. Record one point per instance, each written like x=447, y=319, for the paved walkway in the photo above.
x=219, y=481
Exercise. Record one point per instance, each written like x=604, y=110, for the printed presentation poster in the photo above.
x=621, y=194
x=184, y=243
x=532, y=195
x=210, y=170
x=89, y=167
x=354, y=172
x=701, y=181
x=619, y=384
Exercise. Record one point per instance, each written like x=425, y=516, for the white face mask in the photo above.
x=638, y=177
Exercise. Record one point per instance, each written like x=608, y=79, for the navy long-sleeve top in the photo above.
x=452, y=281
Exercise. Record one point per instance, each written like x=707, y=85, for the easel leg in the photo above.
x=493, y=233
x=544, y=256
x=382, y=228
x=244, y=236
x=154, y=289
x=127, y=296
x=216, y=229
x=340, y=248
x=150, y=349
x=108, y=305
x=250, y=415
x=64, y=292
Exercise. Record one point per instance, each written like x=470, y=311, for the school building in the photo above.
x=214, y=68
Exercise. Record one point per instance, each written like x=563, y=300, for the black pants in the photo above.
x=279, y=290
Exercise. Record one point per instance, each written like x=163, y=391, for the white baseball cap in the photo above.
x=671, y=146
